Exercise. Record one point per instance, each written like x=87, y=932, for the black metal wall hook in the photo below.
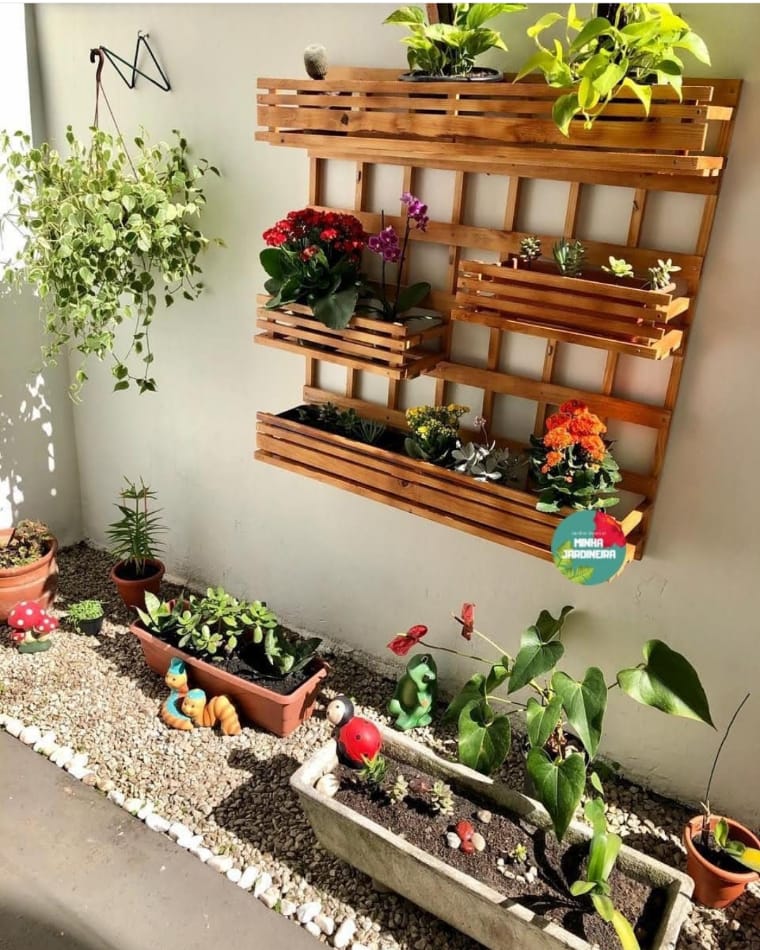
x=112, y=57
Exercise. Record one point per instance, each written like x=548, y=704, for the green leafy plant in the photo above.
x=603, y=853
x=530, y=249
x=664, y=680
x=570, y=257
x=571, y=463
x=434, y=432
x=134, y=537
x=313, y=258
x=373, y=771
x=600, y=58
x=441, y=798
x=450, y=49
x=28, y=542
x=619, y=267
x=162, y=617
x=518, y=854
x=485, y=463
x=399, y=790
x=84, y=610
x=371, y=431
x=104, y=233
x=660, y=274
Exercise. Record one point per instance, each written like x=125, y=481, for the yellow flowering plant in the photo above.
x=434, y=432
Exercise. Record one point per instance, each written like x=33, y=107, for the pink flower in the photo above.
x=386, y=245
x=402, y=643
x=416, y=210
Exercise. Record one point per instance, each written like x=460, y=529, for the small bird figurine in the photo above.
x=358, y=739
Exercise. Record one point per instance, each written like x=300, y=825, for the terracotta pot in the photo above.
x=132, y=592
x=713, y=886
x=272, y=711
x=37, y=581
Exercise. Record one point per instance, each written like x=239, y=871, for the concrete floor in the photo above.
x=79, y=873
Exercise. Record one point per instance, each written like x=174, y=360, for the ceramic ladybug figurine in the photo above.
x=358, y=739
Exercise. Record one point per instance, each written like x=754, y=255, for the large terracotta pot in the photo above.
x=132, y=592
x=713, y=886
x=272, y=711
x=37, y=581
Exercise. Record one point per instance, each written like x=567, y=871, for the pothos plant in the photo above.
x=601, y=58
x=558, y=768
x=104, y=233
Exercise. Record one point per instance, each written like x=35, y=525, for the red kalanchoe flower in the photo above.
x=608, y=529
x=467, y=620
x=329, y=234
x=403, y=642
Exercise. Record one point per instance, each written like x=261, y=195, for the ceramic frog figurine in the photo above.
x=416, y=693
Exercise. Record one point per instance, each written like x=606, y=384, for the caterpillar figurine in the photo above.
x=218, y=709
x=186, y=708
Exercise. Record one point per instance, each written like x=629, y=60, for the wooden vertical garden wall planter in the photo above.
x=370, y=118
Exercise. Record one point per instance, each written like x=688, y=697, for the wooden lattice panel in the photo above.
x=369, y=117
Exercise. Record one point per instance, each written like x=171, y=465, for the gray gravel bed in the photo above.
x=99, y=697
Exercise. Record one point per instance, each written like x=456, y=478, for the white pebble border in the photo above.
x=308, y=915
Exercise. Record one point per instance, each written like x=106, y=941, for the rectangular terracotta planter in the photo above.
x=272, y=711
x=398, y=350
x=472, y=907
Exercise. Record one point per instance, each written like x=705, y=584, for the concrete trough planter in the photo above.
x=473, y=908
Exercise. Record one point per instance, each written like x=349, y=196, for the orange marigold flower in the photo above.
x=573, y=406
x=557, y=419
x=586, y=424
x=594, y=446
x=558, y=438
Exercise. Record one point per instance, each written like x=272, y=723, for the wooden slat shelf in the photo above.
x=589, y=312
x=371, y=115
x=396, y=350
x=370, y=118
x=505, y=515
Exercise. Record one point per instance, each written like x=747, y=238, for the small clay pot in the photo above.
x=713, y=886
x=132, y=590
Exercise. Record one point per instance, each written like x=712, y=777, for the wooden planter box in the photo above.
x=397, y=350
x=272, y=711
x=594, y=310
x=472, y=907
x=498, y=513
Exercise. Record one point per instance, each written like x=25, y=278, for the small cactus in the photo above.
x=619, y=267
x=442, y=799
x=374, y=769
x=399, y=790
x=530, y=248
x=570, y=257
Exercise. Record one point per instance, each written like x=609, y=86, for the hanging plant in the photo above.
x=104, y=232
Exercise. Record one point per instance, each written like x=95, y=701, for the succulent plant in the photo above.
x=399, y=790
x=370, y=430
x=530, y=248
x=570, y=257
x=328, y=414
x=28, y=542
x=347, y=419
x=659, y=275
x=374, y=769
x=519, y=853
x=442, y=799
x=619, y=267
x=485, y=463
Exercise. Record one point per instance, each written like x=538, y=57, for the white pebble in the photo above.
x=262, y=884
x=3, y=719
x=204, y=854
x=61, y=757
x=78, y=761
x=234, y=875
x=116, y=797
x=178, y=830
x=453, y=840
x=311, y=927
x=344, y=934
x=14, y=726
x=46, y=745
x=288, y=908
x=191, y=841
x=478, y=842
x=325, y=923
x=359, y=946
x=484, y=815
x=220, y=862
x=249, y=878
x=270, y=897
x=146, y=810
x=328, y=785
x=30, y=735
x=79, y=773
x=133, y=805
x=308, y=911
x=157, y=822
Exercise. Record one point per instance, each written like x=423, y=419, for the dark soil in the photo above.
x=558, y=864
x=719, y=859
x=129, y=572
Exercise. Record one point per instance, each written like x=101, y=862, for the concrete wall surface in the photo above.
x=345, y=566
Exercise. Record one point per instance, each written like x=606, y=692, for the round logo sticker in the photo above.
x=589, y=547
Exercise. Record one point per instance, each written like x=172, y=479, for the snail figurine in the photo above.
x=358, y=739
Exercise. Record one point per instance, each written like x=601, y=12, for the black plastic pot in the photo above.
x=90, y=627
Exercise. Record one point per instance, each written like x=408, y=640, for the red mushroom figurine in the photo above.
x=32, y=627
